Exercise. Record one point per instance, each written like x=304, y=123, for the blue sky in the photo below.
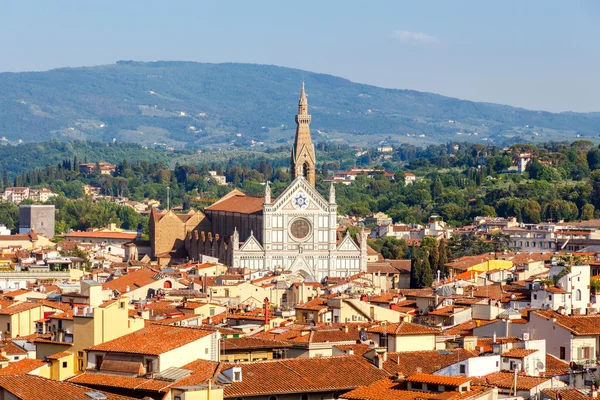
x=537, y=54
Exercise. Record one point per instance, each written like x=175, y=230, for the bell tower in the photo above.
x=303, y=160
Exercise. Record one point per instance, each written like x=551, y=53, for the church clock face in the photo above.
x=300, y=228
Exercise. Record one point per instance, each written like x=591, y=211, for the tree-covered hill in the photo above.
x=220, y=106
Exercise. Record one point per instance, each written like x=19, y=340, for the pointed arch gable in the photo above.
x=300, y=184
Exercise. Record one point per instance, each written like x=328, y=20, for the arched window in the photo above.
x=168, y=285
x=305, y=169
x=272, y=398
x=304, y=397
x=578, y=295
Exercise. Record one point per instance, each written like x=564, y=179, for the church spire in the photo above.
x=303, y=160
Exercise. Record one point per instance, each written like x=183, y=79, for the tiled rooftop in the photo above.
x=31, y=387
x=302, y=375
x=153, y=339
x=404, y=328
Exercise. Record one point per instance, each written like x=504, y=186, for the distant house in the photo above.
x=409, y=178
x=347, y=177
x=105, y=168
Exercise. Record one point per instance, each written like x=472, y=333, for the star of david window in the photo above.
x=300, y=202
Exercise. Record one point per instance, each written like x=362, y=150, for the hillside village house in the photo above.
x=18, y=194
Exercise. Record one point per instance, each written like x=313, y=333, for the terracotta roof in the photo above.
x=404, y=328
x=120, y=381
x=519, y=353
x=12, y=349
x=566, y=394
x=317, y=304
x=578, y=325
x=31, y=387
x=302, y=375
x=152, y=339
x=358, y=348
x=389, y=267
x=505, y=380
x=427, y=361
x=242, y=204
x=391, y=389
x=23, y=366
x=447, y=311
x=134, y=279
x=438, y=379
x=555, y=366
x=329, y=336
x=18, y=307
x=59, y=355
x=14, y=293
x=101, y=235
x=466, y=328
x=248, y=343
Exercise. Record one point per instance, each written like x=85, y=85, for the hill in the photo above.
x=227, y=106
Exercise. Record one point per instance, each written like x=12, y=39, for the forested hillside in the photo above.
x=240, y=106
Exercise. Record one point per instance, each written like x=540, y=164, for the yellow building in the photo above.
x=18, y=319
x=404, y=336
x=91, y=327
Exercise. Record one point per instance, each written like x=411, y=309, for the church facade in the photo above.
x=296, y=232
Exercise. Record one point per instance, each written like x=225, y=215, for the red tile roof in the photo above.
x=404, y=328
x=391, y=389
x=120, y=381
x=152, y=339
x=565, y=394
x=31, y=387
x=505, y=380
x=438, y=379
x=578, y=325
x=302, y=375
x=240, y=203
x=249, y=343
x=100, y=235
x=427, y=361
x=555, y=366
x=23, y=366
x=133, y=280
x=518, y=353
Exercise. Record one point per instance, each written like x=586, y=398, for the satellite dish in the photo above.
x=540, y=365
x=363, y=335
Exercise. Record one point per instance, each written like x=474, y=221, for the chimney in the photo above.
x=380, y=361
x=494, y=337
x=350, y=352
x=345, y=328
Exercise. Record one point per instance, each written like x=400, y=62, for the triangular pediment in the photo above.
x=300, y=195
x=348, y=244
x=301, y=267
x=251, y=244
x=304, y=154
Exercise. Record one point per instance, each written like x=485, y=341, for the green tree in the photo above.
x=443, y=257
x=587, y=212
x=532, y=212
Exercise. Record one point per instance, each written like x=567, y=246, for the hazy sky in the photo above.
x=536, y=54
